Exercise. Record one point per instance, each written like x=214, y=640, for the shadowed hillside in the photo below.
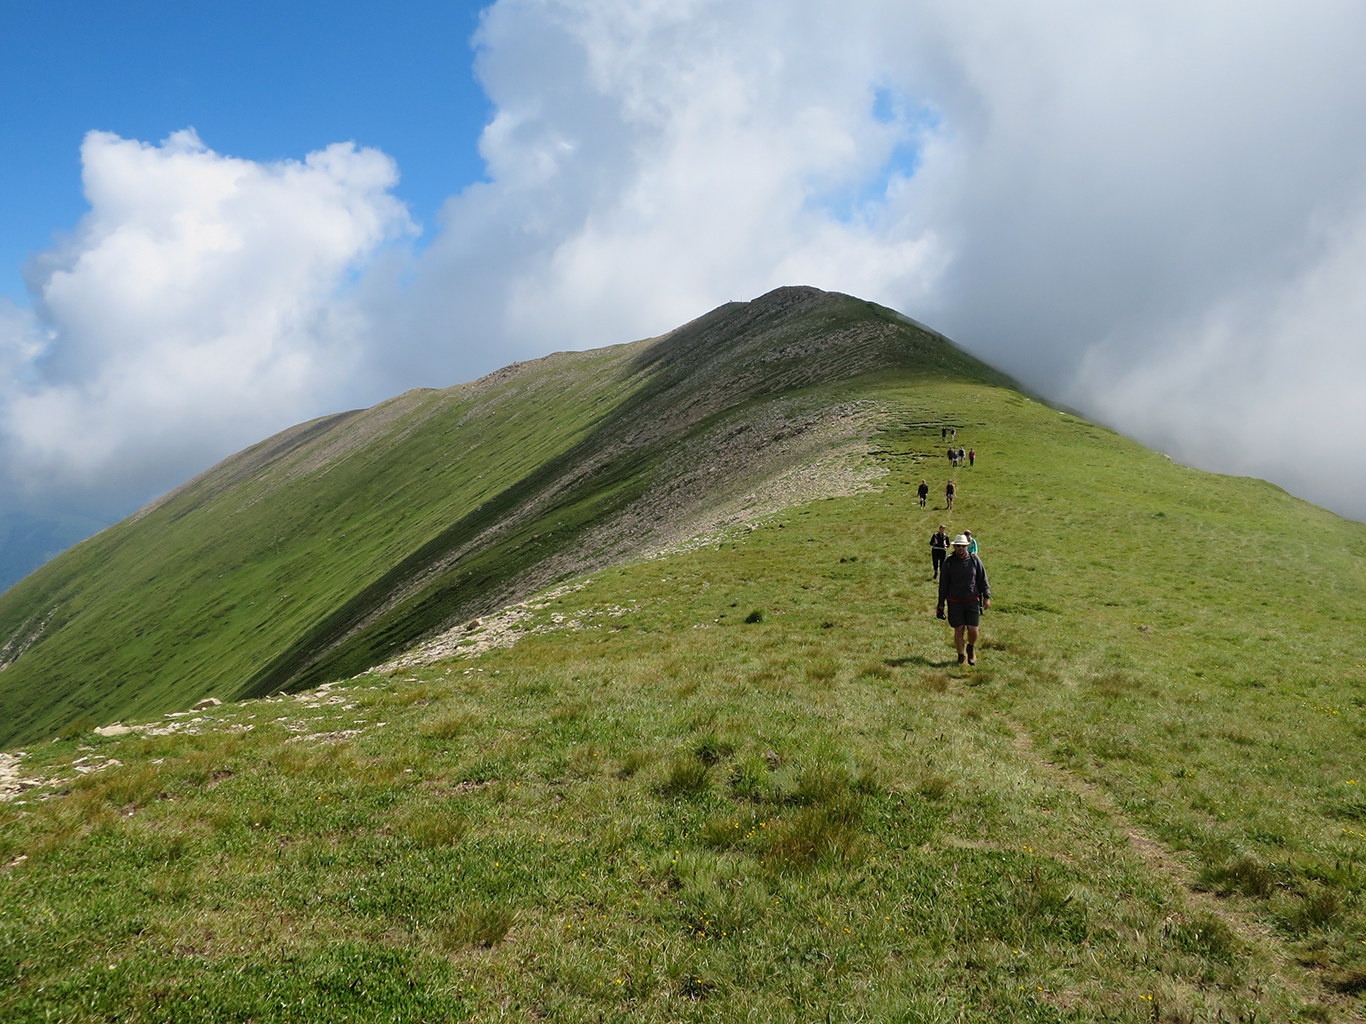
x=338, y=543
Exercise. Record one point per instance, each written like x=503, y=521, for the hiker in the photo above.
x=972, y=456
x=953, y=458
x=948, y=495
x=972, y=542
x=924, y=491
x=939, y=549
x=943, y=433
x=963, y=587
x=953, y=434
x=962, y=456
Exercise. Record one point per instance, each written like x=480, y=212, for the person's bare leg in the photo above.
x=959, y=640
x=972, y=644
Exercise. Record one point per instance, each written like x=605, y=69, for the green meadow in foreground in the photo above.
x=749, y=782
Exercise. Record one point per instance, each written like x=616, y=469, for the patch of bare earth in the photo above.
x=501, y=629
x=12, y=778
x=14, y=647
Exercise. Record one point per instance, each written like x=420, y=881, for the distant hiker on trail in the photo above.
x=924, y=491
x=953, y=457
x=939, y=549
x=972, y=456
x=972, y=542
x=963, y=586
x=953, y=434
x=948, y=495
x=943, y=433
x=962, y=456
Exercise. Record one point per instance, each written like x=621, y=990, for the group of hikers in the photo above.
x=963, y=589
x=957, y=456
x=924, y=491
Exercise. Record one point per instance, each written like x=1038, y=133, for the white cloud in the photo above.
x=195, y=309
x=649, y=161
x=1091, y=196
x=1267, y=382
x=1042, y=181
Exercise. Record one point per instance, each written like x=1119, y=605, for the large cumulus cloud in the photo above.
x=648, y=161
x=199, y=304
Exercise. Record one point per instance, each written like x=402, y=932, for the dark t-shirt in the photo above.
x=963, y=579
x=940, y=540
x=923, y=490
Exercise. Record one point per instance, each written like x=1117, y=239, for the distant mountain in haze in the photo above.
x=28, y=540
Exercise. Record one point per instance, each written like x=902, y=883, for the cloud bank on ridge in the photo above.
x=1153, y=212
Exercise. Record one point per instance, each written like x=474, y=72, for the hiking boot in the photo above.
x=972, y=655
x=962, y=658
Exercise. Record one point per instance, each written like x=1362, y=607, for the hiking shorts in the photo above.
x=964, y=613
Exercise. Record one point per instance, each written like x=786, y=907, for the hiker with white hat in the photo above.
x=964, y=589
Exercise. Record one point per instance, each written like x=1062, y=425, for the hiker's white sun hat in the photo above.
x=961, y=539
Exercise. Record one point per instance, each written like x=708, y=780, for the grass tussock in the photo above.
x=936, y=682
x=126, y=789
x=685, y=777
x=822, y=670
x=450, y=724
x=824, y=834
x=635, y=761
x=484, y=925
x=1319, y=910
x=1245, y=875
x=711, y=750
x=1205, y=936
x=934, y=787
x=430, y=826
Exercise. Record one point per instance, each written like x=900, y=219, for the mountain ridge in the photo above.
x=597, y=437
x=744, y=779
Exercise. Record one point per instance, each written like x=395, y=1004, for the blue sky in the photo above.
x=260, y=80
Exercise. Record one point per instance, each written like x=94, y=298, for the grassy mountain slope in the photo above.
x=1142, y=805
x=328, y=548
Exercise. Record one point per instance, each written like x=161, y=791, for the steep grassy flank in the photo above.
x=1142, y=805
x=192, y=596
x=326, y=549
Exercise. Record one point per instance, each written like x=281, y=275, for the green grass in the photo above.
x=675, y=814
x=335, y=545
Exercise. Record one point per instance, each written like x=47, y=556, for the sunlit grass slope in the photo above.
x=326, y=549
x=1142, y=805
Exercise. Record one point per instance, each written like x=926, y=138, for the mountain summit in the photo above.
x=341, y=542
